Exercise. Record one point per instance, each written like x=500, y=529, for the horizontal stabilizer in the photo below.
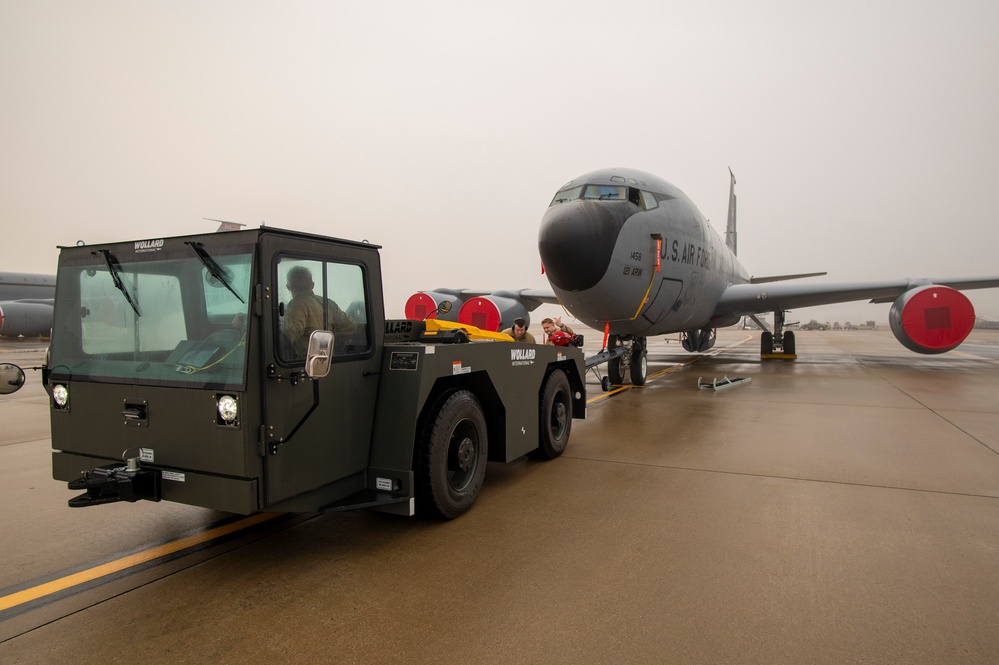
x=782, y=278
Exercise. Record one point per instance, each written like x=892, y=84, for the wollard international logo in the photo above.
x=522, y=356
x=149, y=245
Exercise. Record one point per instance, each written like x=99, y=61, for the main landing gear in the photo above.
x=631, y=356
x=623, y=356
x=777, y=344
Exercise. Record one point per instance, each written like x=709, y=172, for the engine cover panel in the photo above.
x=931, y=319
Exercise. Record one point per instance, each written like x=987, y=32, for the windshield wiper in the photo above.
x=114, y=267
x=217, y=271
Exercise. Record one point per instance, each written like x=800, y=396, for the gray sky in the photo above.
x=863, y=135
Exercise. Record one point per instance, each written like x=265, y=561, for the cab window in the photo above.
x=320, y=295
x=112, y=325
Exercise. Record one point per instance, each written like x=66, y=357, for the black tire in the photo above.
x=614, y=369
x=789, y=346
x=605, y=383
x=766, y=343
x=555, y=420
x=639, y=364
x=451, y=457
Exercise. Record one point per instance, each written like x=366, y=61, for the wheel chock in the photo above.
x=722, y=384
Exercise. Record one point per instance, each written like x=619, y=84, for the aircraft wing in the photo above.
x=535, y=297
x=744, y=299
x=540, y=296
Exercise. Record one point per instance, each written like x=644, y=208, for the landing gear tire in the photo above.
x=789, y=343
x=639, y=364
x=766, y=343
x=555, y=416
x=615, y=371
x=451, y=456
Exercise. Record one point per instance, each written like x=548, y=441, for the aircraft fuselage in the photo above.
x=26, y=304
x=628, y=248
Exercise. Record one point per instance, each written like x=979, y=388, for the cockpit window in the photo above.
x=640, y=197
x=606, y=193
x=648, y=200
x=570, y=194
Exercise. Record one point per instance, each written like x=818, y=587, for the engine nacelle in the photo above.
x=25, y=318
x=423, y=305
x=699, y=341
x=931, y=319
x=493, y=312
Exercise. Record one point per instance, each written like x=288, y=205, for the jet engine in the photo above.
x=931, y=319
x=423, y=305
x=25, y=318
x=493, y=312
x=699, y=340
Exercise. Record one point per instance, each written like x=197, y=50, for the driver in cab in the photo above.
x=305, y=310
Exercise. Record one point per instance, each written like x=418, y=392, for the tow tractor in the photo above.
x=194, y=369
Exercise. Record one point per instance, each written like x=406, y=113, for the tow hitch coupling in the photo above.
x=116, y=482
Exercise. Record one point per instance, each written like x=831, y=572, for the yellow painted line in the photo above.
x=63, y=583
x=668, y=370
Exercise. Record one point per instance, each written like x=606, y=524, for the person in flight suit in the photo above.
x=304, y=312
x=519, y=332
x=552, y=326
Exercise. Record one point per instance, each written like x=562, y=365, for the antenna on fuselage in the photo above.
x=731, y=237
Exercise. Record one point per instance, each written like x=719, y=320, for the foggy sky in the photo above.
x=863, y=135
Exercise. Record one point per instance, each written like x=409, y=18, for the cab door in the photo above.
x=317, y=433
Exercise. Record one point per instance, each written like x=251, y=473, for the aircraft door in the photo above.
x=317, y=431
x=662, y=300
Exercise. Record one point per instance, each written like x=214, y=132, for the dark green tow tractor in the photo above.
x=171, y=376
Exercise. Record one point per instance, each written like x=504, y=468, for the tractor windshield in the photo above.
x=162, y=317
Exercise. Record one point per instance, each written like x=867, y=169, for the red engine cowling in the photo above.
x=25, y=318
x=493, y=312
x=423, y=305
x=931, y=319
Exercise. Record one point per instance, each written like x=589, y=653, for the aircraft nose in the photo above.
x=577, y=239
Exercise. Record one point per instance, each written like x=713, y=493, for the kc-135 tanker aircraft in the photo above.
x=628, y=253
x=26, y=304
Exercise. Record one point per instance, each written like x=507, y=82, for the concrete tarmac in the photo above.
x=840, y=508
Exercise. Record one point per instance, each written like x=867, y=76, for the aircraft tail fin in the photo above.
x=731, y=238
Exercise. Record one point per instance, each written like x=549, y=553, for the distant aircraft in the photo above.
x=26, y=304
x=628, y=253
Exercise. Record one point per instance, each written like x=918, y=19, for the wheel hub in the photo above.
x=559, y=420
x=466, y=450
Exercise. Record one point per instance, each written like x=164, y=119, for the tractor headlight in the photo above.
x=228, y=409
x=60, y=395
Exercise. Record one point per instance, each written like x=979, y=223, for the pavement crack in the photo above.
x=748, y=474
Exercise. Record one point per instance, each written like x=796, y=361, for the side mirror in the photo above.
x=319, y=356
x=11, y=378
